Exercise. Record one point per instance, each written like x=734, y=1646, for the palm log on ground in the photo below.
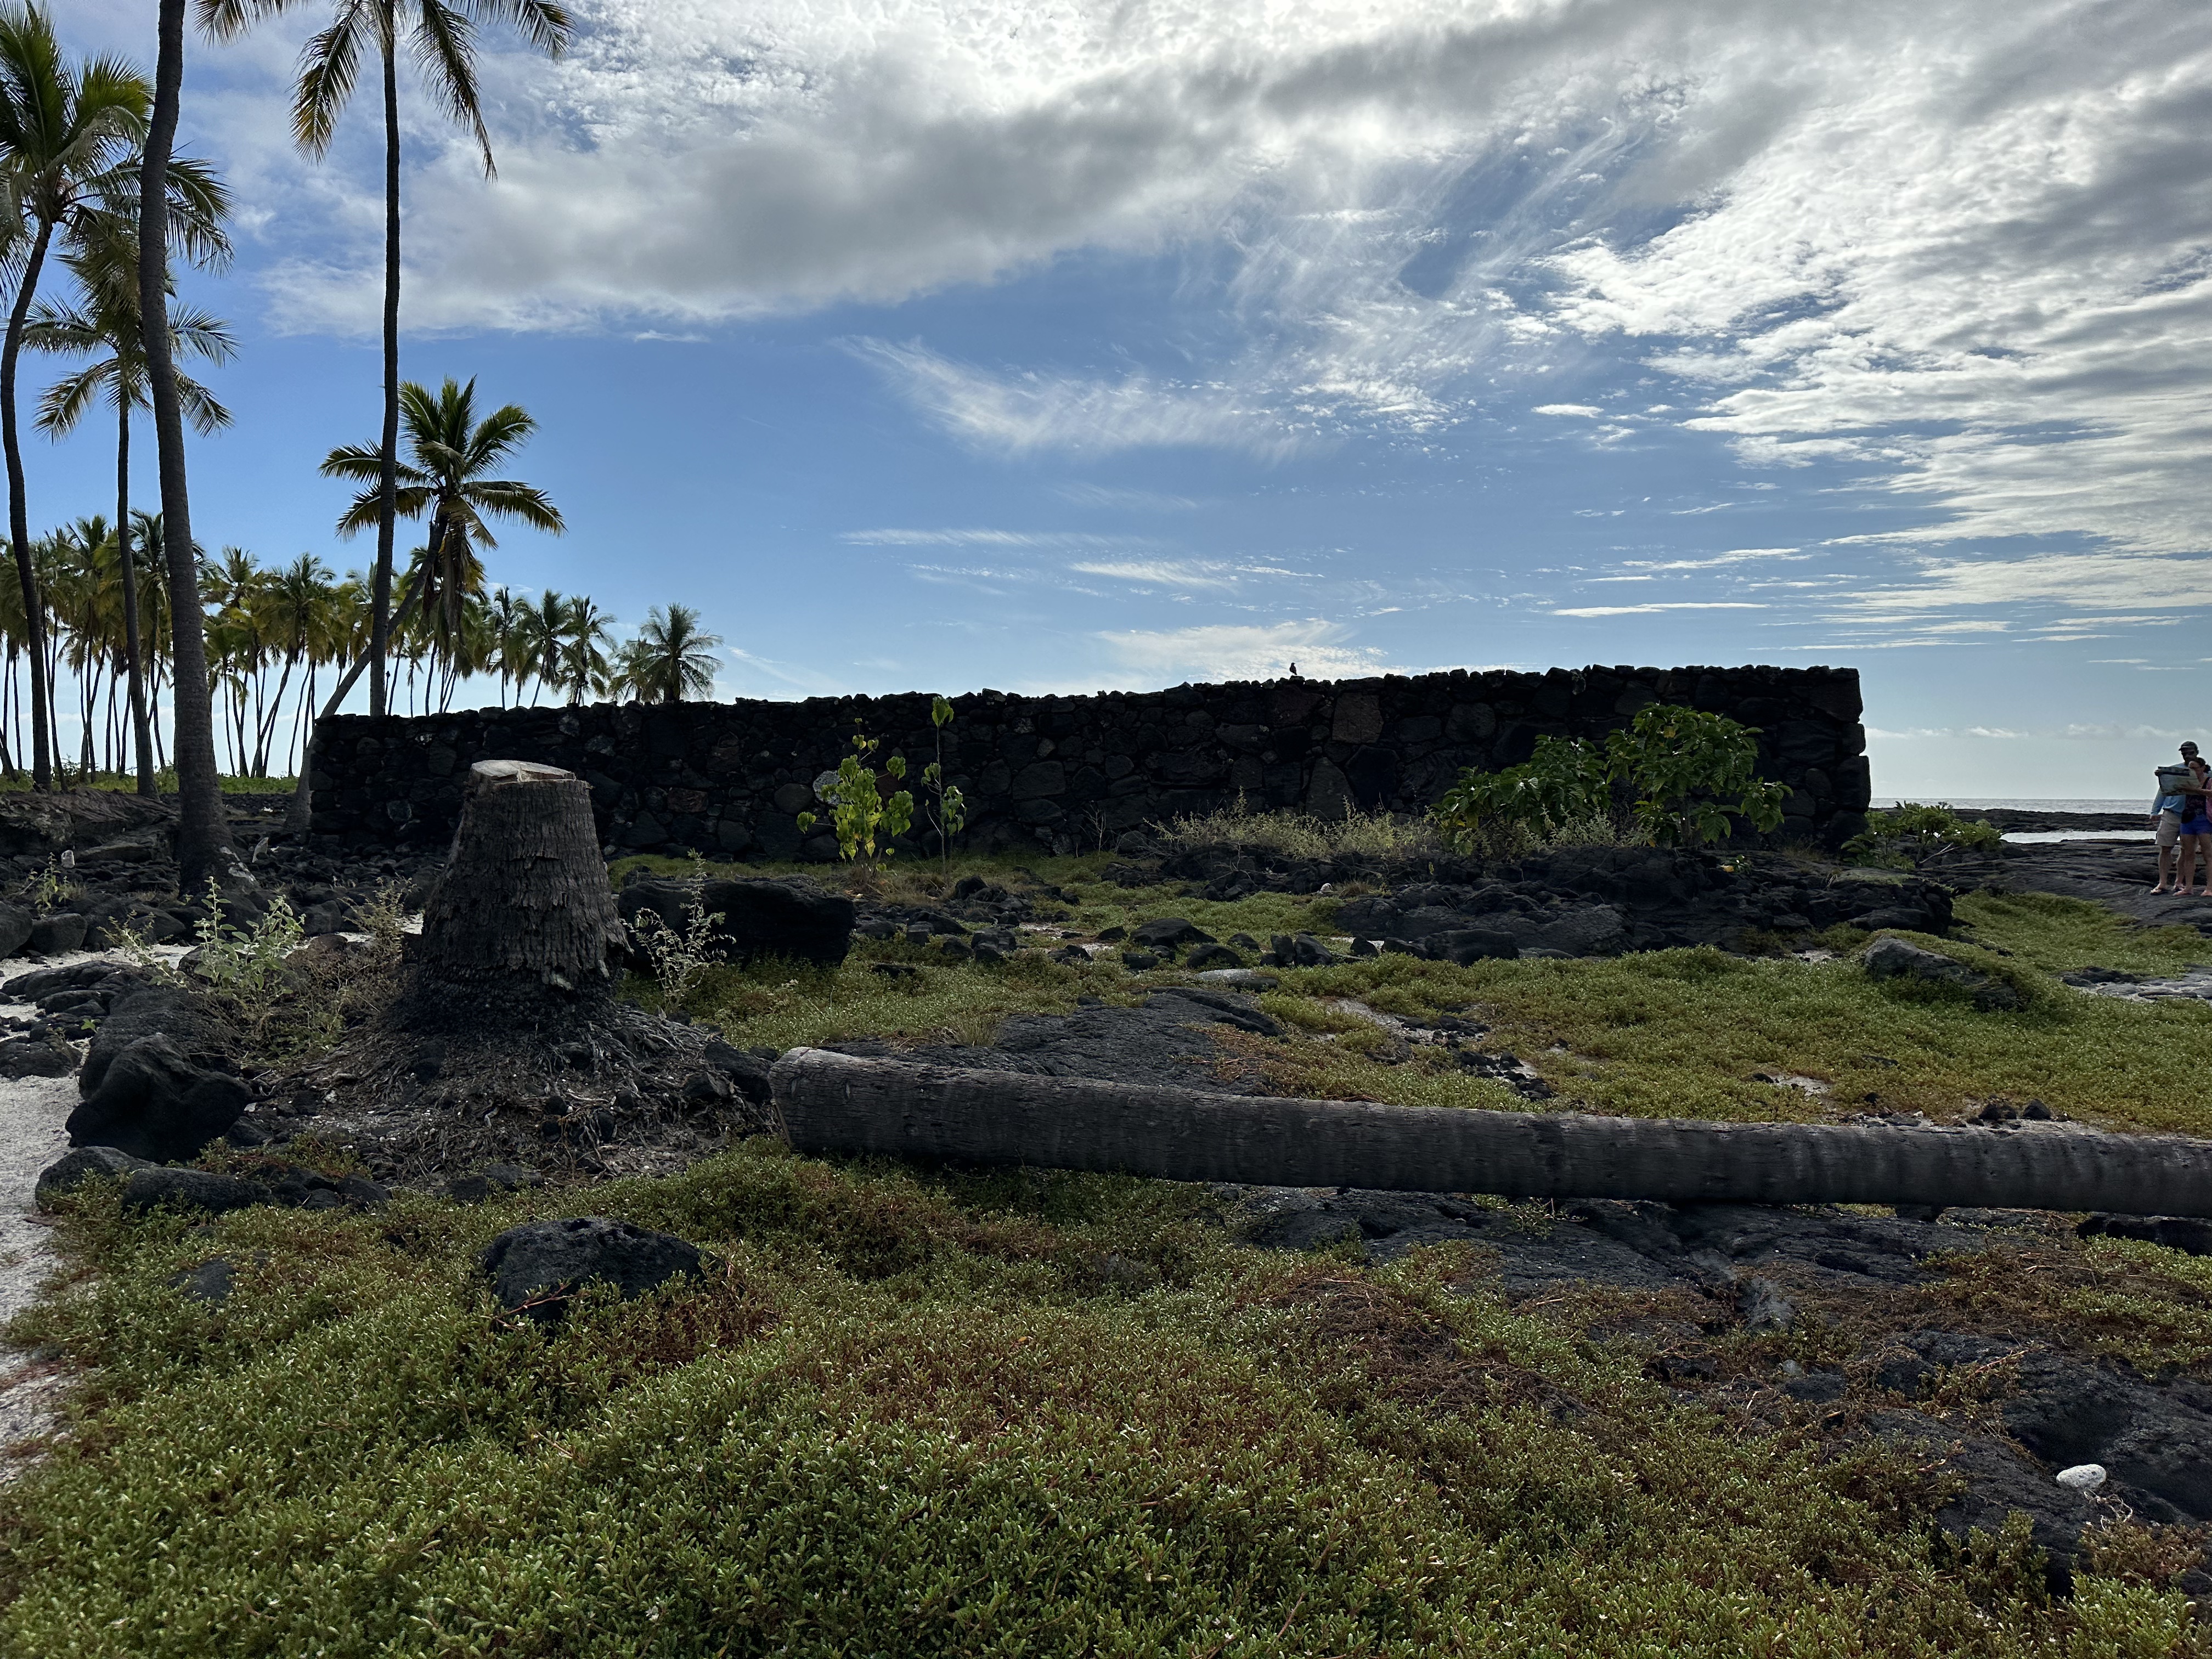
x=830, y=1103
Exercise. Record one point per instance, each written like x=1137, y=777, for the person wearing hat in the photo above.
x=2181, y=794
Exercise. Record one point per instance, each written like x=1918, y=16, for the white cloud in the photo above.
x=1739, y=555
x=1645, y=609
x=1959, y=251
x=2087, y=581
x=1161, y=573
x=1233, y=652
x=1130, y=500
x=1048, y=538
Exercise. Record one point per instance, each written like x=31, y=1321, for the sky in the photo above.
x=1075, y=345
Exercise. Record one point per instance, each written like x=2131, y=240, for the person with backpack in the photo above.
x=2180, y=795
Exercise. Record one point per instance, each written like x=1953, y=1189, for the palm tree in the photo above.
x=671, y=657
x=66, y=137
x=106, y=321
x=539, y=644
x=203, y=848
x=442, y=37
x=450, y=452
x=581, y=662
x=503, y=615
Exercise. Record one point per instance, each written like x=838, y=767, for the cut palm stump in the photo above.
x=504, y=1040
x=524, y=908
x=830, y=1103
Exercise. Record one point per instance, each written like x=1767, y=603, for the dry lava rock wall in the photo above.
x=1071, y=773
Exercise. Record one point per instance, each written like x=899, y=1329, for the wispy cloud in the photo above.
x=1037, y=538
x=1161, y=573
x=1645, y=609
x=1234, y=652
x=1738, y=556
x=1126, y=500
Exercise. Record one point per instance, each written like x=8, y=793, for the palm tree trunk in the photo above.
x=834, y=1102
x=203, y=850
x=19, y=513
x=388, y=486
x=132, y=654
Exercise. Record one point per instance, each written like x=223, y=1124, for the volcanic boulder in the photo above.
x=760, y=917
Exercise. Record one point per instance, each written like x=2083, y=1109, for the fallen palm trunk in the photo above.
x=831, y=1103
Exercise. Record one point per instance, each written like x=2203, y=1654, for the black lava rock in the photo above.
x=747, y=1072
x=154, y=1187
x=156, y=1104
x=493, y=1178
x=789, y=917
x=535, y=1269
x=37, y=1056
x=80, y=1165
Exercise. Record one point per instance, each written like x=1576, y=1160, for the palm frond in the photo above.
x=330, y=65
x=445, y=50
x=509, y=498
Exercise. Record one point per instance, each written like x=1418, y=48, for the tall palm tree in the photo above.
x=581, y=661
x=442, y=37
x=450, y=453
x=503, y=615
x=203, y=848
x=106, y=321
x=539, y=644
x=671, y=658
x=67, y=133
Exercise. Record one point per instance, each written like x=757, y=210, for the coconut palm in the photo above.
x=537, y=644
x=442, y=38
x=581, y=667
x=64, y=132
x=106, y=322
x=503, y=618
x=203, y=848
x=671, y=658
x=450, y=452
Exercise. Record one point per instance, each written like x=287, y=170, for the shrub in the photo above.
x=1908, y=832
x=1683, y=773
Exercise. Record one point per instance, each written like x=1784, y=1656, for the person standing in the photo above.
x=2167, y=808
x=2195, y=840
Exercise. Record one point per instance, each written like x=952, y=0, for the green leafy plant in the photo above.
x=1498, y=814
x=680, y=955
x=1683, y=772
x=865, y=818
x=1690, y=771
x=950, y=816
x=247, y=963
x=1908, y=832
x=384, y=917
x=49, y=888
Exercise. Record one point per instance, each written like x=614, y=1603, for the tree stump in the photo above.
x=524, y=911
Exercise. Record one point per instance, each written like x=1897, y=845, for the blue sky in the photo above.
x=1057, y=347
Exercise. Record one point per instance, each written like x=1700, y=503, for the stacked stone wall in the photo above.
x=1071, y=773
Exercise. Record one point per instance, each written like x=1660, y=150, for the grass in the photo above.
x=165, y=780
x=1038, y=1413
x=917, y=1416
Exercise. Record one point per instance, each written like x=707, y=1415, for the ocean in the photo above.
x=2132, y=808
x=2140, y=804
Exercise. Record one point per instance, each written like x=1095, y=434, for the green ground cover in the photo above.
x=1022, y=1415
x=166, y=779
x=1035, y=1413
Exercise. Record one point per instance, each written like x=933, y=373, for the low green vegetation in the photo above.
x=1023, y=1414
x=1902, y=835
x=1038, y=1413
x=1673, y=776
